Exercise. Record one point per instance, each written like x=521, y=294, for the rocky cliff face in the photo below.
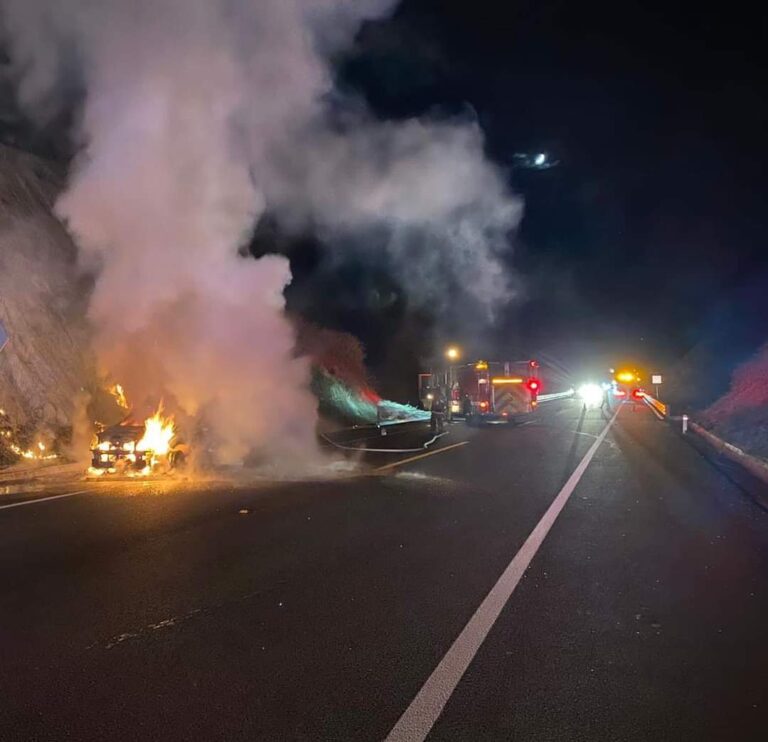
x=43, y=366
x=741, y=415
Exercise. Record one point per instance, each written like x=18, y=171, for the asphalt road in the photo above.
x=503, y=589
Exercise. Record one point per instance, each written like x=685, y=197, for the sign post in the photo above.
x=656, y=380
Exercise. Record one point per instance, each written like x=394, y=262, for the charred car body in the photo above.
x=116, y=448
x=122, y=448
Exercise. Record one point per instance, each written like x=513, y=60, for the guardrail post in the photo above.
x=380, y=419
x=685, y=423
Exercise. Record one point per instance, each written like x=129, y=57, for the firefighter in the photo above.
x=606, y=402
x=437, y=421
x=466, y=406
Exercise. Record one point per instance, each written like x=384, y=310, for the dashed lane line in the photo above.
x=395, y=464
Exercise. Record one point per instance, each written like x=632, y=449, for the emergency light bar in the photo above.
x=507, y=380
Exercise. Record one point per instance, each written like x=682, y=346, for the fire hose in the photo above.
x=384, y=450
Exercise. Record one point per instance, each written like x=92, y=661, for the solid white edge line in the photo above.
x=420, y=716
x=42, y=499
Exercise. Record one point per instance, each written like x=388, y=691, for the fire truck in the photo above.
x=627, y=385
x=485, y=391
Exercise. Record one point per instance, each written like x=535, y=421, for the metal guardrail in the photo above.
x=660, y=407
x=388, y=417
x=555, y=395
x=384, y=421
x=752, y=464
x=403, y=421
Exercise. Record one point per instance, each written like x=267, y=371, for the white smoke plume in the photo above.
x=197, y=116
x=422, y=191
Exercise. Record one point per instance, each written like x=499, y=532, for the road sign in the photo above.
x=656, y=379
x=3, y=336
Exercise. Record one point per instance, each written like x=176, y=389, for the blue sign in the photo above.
x=3, y=336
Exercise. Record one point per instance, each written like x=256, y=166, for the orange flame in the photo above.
x=158, y=434
x=117, y=391
x=40, y=454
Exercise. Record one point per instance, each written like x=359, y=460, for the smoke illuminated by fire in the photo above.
x=197, y=117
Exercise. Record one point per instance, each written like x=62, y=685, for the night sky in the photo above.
x=649, y=239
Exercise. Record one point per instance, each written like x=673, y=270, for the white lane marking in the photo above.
x=419, y=718
x=42, y=499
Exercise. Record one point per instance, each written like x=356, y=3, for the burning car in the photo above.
x=138, y=449
x=116, y=448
